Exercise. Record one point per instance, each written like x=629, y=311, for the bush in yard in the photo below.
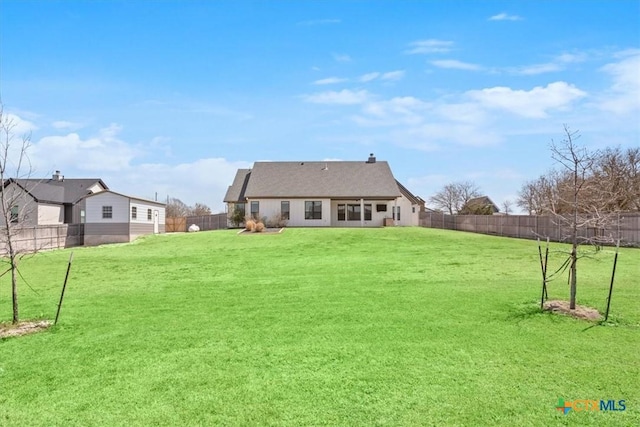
x=250, y=225
x=259, y=227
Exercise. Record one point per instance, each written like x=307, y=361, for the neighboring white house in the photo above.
x=324, y=194
x=116, y=218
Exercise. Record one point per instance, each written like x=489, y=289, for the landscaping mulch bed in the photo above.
x=580, y=312
x=23, y=328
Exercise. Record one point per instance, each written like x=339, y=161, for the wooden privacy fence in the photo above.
x=205, y=222
x=627, y=228
x=45, y=237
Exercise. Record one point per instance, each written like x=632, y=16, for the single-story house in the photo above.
x=116, y=218
x=482, y=205
x=51, y=201
x=324, y=194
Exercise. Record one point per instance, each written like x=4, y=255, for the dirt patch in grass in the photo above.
x=23, y=328
x=580, y=312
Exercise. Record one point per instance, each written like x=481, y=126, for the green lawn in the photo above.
x=349, y=327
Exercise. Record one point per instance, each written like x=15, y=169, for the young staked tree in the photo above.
x=578, y=162
x=14, y=164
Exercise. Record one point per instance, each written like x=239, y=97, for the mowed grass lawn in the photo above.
x=393, y=326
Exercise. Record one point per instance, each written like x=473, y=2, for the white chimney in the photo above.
x=57, y=176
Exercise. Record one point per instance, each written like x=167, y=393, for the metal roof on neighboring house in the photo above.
x=57, y=191
x=330, y=179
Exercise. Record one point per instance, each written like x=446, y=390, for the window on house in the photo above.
x=341, y=211
x=381, y=208
x=367, y=212
x=82, y=216
x=396, y=213
x=313, y=210
x=14, y=214
x=241, y=207
x=255, y=209
x=413, y=209
x=353, y=212
x=149, y=215
x=107, y=212
x=134, y=212
x=284, y=210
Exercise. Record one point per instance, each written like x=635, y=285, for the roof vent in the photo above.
x=326, y=167
x=371, y=158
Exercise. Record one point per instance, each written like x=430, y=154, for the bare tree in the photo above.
x=14, y=166
x=176, y=208
x=201, y=209
x=506, y=207
x=454, y=196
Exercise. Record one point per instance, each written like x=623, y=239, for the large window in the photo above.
x=241, y=207
x=134, y=212
x=255, y=209
x=353, y=212
x=313, y=210
x=107, y=212
x=341, y=216
x=284, y=210
x=14, y=214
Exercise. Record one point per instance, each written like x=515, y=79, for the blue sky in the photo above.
x=172, y=97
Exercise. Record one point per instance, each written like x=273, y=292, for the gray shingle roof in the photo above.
x=347, y=180
x=235, y=192
x=65, y=191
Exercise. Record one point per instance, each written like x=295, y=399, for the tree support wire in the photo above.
x=64, y=286
x=613, y=275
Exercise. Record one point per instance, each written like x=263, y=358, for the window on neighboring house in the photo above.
x=82, y=216
x=241, y=207
x=14, y=214
x=341, y=211
x=149, y=215
x=353, y=212
x=396, y=213
x=367, y=212
x=107, y=212
x=381, y=208
x=134, y=212
x=255, y=209
x=284, y=210
x=313, y=210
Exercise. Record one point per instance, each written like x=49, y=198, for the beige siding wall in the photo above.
x=50, y=214
x=27, y=208
x=271, y=207
x=119, y=204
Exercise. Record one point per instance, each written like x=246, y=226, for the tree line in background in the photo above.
x=609, y=181
x=177, y=208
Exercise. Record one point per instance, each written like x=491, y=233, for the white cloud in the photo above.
x=429, y=46
x=396, y=111
x=559, y=63
x=319, y=22
x=624, y=94
x=343, y=97
x=19, y=126
x=341, y=57
x=505, y=17
x=329, y=81
x=204, y=180
x=393, y=75
x=456, y=65
x=533, y=103
x=63, y=124
x=101, y=152
x=369, y=77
